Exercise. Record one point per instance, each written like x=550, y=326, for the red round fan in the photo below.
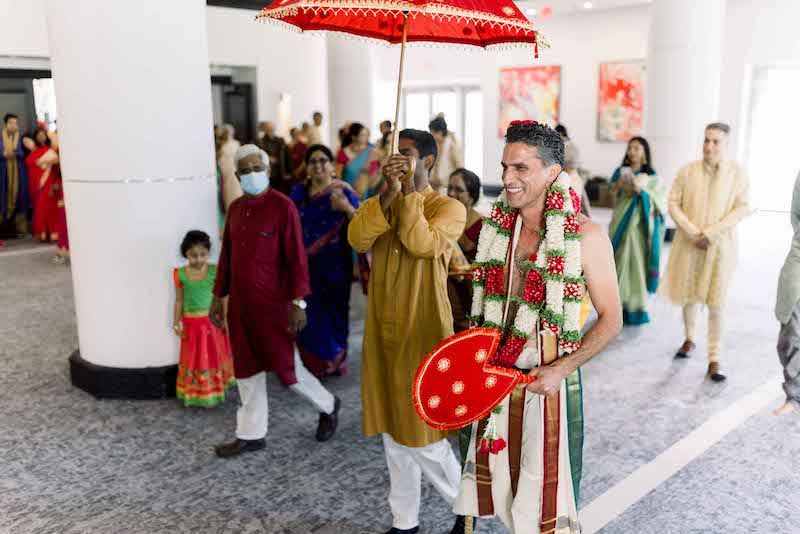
x=455, y=385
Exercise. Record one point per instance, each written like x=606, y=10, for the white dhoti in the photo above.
x=522, y=513
x=436, y=461
x=253, y=415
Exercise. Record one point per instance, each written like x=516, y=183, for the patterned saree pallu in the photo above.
x=456, y=385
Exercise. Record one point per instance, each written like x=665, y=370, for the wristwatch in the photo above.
x=300, y=303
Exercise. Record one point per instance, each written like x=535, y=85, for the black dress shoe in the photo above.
x=464, y=525
x=238, y=446
x=685, y=351
x=401, y=531
x=714, y=374
x=328, y=422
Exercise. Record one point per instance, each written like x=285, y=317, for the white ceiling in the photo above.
x=570, y=7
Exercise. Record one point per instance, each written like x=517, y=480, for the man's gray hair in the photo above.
x=719, y=126
x=540, y=136
x=249, y=150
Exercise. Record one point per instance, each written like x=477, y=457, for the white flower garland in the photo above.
x=553, y=297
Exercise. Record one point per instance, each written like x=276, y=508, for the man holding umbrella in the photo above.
x=411, y=230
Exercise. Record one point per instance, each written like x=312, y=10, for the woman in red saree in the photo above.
x=42, y=165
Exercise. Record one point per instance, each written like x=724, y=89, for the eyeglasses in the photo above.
x=456, y=189
x=320, y=161
x=259, y=168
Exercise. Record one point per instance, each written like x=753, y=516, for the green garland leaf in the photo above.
x=572, y=336
x=519, y=333
x=553, y=277
x=563, y=213
x=500, y=229
x=552, y=317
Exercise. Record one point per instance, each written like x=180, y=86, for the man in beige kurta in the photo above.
x=411, y=230
x=708, y=199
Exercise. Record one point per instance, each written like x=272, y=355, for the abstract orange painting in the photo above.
x=529, y=93
x=621, y=104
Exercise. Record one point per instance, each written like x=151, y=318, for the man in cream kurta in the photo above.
x=787, y=311
x=708, y=199
x=411, y=230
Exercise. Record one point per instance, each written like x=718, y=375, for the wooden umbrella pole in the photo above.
x=396, y=131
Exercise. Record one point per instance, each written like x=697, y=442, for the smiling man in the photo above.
x=537, y=256
x=707, y=200
x=411, y=230
x=263, y=270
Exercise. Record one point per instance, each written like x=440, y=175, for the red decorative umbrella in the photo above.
x=480, y=23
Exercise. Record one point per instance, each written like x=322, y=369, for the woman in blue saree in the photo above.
x=637, y=229
x=326, y=206
x=358, y=162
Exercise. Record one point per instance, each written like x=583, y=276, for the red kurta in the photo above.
x=263, y=266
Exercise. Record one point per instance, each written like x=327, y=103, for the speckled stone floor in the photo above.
x=70, y=464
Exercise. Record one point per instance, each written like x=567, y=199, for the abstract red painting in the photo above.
x=621, y=103
x=529, y=93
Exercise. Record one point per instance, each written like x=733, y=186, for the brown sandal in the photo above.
x=685, y=351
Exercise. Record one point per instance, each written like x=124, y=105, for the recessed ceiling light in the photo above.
x=531, y=12
x=587, y=5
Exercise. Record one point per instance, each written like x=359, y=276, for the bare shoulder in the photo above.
x=592, y=232
x=595, y=242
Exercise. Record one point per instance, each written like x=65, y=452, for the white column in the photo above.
x=684, y=63
x=351, y=84
x=137, y=153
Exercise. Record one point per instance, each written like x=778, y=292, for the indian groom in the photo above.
x=707, y=201
x=14, y=194
x=537, y=256
x=411, y=230
x=263, y=269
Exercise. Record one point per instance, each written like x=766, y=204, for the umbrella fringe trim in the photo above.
x=458, y=47
x=375, y=9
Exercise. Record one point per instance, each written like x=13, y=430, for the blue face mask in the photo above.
x=255, y=183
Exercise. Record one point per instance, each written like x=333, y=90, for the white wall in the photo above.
x=23, y=31
x=758, y=33
x=286, y=62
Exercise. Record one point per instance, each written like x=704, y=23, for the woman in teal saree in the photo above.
x=637, y=229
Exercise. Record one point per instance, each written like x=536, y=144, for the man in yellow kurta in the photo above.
x=411, y=230
x=708, y=199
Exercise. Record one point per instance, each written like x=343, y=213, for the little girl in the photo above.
x=205, y=370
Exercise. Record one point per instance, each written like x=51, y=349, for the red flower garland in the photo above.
x=571, y=225
x=576, y=200
x=534, y=287
x=555, y=201
x=573, y=291
x=551, y=326
x=494, y=280
x=555, y=265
